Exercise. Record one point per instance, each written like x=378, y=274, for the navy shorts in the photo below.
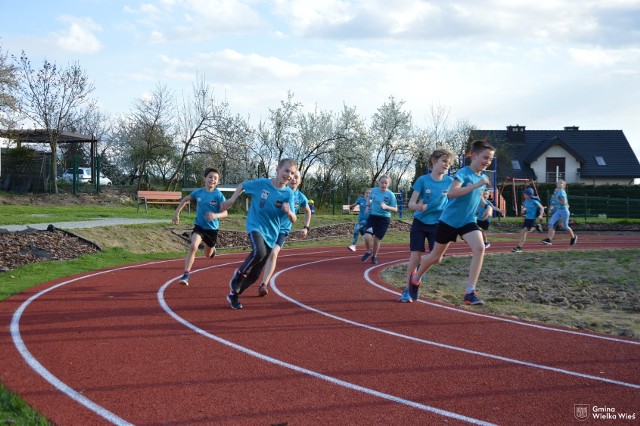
x=377, y=226
x=209, y=236
x=448, y=234
x=420, y=232
x=281, y=239
x=529, y=223
x=483, y=224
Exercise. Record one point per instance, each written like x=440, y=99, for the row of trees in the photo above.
x=169, y=139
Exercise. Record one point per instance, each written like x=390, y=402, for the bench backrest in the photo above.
x=160, y=195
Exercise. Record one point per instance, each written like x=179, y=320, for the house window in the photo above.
x=600, y=161
x=515, y=164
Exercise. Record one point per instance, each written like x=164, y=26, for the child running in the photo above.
x=300, y=200
x=271, y=202
x=560, y=214
x=363, y=215
x=381, y=203
x=533, y=210
x=427, y=201
x=205, y=228
x=459, y=218
x=484, y=217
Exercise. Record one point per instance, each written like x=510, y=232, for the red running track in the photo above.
x=329, y=345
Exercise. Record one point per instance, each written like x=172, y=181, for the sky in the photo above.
x=543, y=64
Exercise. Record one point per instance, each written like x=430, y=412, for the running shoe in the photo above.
x=574, y=240
x=185, y=279
x=414, y=286
x=472, y=299
x=516, y=249
x=374, y=260
x=539, y=228
x=487, y=245
x=262, y=290
x=352, y=247
x=365, y=256
x=547, y=242
x=233, y=299
x=406, y=297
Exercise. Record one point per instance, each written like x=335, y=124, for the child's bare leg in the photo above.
x=435, y=256
x=376, y=246
x=196, y=239
x=368, y=242
x=523, y=236
x=474, y=239
x=270, y=266
x=414, y=261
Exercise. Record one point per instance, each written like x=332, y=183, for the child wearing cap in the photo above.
x=533, y=211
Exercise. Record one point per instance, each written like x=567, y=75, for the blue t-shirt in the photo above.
x=433, y=193
x=265, y=211
x=532, y=205
x=462, y=210
x=480, y=211
x=207, y=201
x=377, y=197
x=363, y=214
x=300, y=200
x=560, y=194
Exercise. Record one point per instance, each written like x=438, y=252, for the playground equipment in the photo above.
x=514, y=183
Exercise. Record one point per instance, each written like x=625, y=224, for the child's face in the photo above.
x=482, y=159
x=442, y=165
x=211, y=180
x=286, y=172
x=383, y=183
x=367, y=193
x=561, y=184
x=294, y=183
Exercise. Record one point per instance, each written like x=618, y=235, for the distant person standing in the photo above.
x=381, y=203
x=459, y=219
x=560, y=215
x=300, y=201
x=428, y=200
x=271, y=201
x=363, y=214
x=533, y=210
x=205, y=229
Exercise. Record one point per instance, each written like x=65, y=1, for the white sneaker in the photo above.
x=352, y=247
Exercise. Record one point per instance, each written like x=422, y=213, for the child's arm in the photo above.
x=226, y=205
x=457, y=190
x=176, y=215
x=307, y=221
x=415, y=204
x=212, y=215
x=488, y=212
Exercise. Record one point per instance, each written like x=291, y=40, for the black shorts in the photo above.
x=483, y=224
x=420, y=232
x=281, y=239
x=448, y=234
x=209, y=236
x=529, y=223
x=377, y=226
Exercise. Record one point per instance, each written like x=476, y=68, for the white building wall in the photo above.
x=571, y=165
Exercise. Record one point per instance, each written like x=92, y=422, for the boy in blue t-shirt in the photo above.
x=205, y=229
x=300, y=201
x=560, y=214
x=533, y=210
x=271, y=201
x=428, y=200
x=459, y=218
x=381, y=203
x=363, y=215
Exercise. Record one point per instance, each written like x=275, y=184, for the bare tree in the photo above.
x=391, y=139
x=8, y=87
x=53, y=98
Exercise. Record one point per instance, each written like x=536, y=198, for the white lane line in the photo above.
x=432, y=343
x=298, y=369
x=487, y=316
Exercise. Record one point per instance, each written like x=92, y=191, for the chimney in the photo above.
x=515, y=133
x=571, y=128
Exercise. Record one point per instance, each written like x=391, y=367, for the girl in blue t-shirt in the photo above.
x=363, y=215
x=381, y=203
x=560, y=215
x=300, y=202
x=428, y=200
x=205, y=229
x=459, y=218
x=271, y=201
x=533, y=210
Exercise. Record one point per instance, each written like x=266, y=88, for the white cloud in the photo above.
x=79, y=37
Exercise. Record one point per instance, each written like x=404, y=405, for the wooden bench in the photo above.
x=159, y=197
x=345, y=209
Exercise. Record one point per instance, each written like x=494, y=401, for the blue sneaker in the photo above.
x=374, y=260
x=365, y=256
x=472, y=299
x=234, y=300
x=185, y=279
x=414, y=286
x=405, y=298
